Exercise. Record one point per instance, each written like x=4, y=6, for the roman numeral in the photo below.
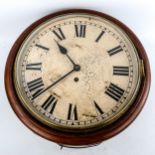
x=34, y=66
x=59, y=34
x=115, y=50
x=100, y=36
x=42, y=47
x=114, y=92
x=98, y=109
x=121, y=70
x=72, y=112
x=80, y=30
x=36, y=86
x=50, y=104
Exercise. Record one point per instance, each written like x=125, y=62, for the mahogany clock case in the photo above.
x=77, y=139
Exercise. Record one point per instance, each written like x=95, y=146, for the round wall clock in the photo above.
x=77, y=77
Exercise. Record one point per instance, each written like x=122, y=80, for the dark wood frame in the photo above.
x=76, y=139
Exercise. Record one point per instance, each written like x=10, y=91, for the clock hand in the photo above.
x=60, y=79
x=63, y=50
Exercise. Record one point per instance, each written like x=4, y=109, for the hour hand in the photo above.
x=63, y=50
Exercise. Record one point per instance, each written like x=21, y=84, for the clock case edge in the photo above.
x=77, y=139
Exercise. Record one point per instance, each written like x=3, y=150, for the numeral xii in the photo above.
x=80, y=31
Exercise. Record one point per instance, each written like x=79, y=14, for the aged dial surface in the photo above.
x=77, y=71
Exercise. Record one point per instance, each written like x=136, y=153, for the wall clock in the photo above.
x=77, y=77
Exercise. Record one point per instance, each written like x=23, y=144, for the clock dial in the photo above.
x=77, y=71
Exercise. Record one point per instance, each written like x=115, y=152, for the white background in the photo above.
x=16, y=15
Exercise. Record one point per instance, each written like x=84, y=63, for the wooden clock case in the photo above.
x=76, y=139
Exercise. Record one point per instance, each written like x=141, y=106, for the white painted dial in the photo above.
x=77, y=71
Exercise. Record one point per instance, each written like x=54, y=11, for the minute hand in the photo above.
x=54, y=83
